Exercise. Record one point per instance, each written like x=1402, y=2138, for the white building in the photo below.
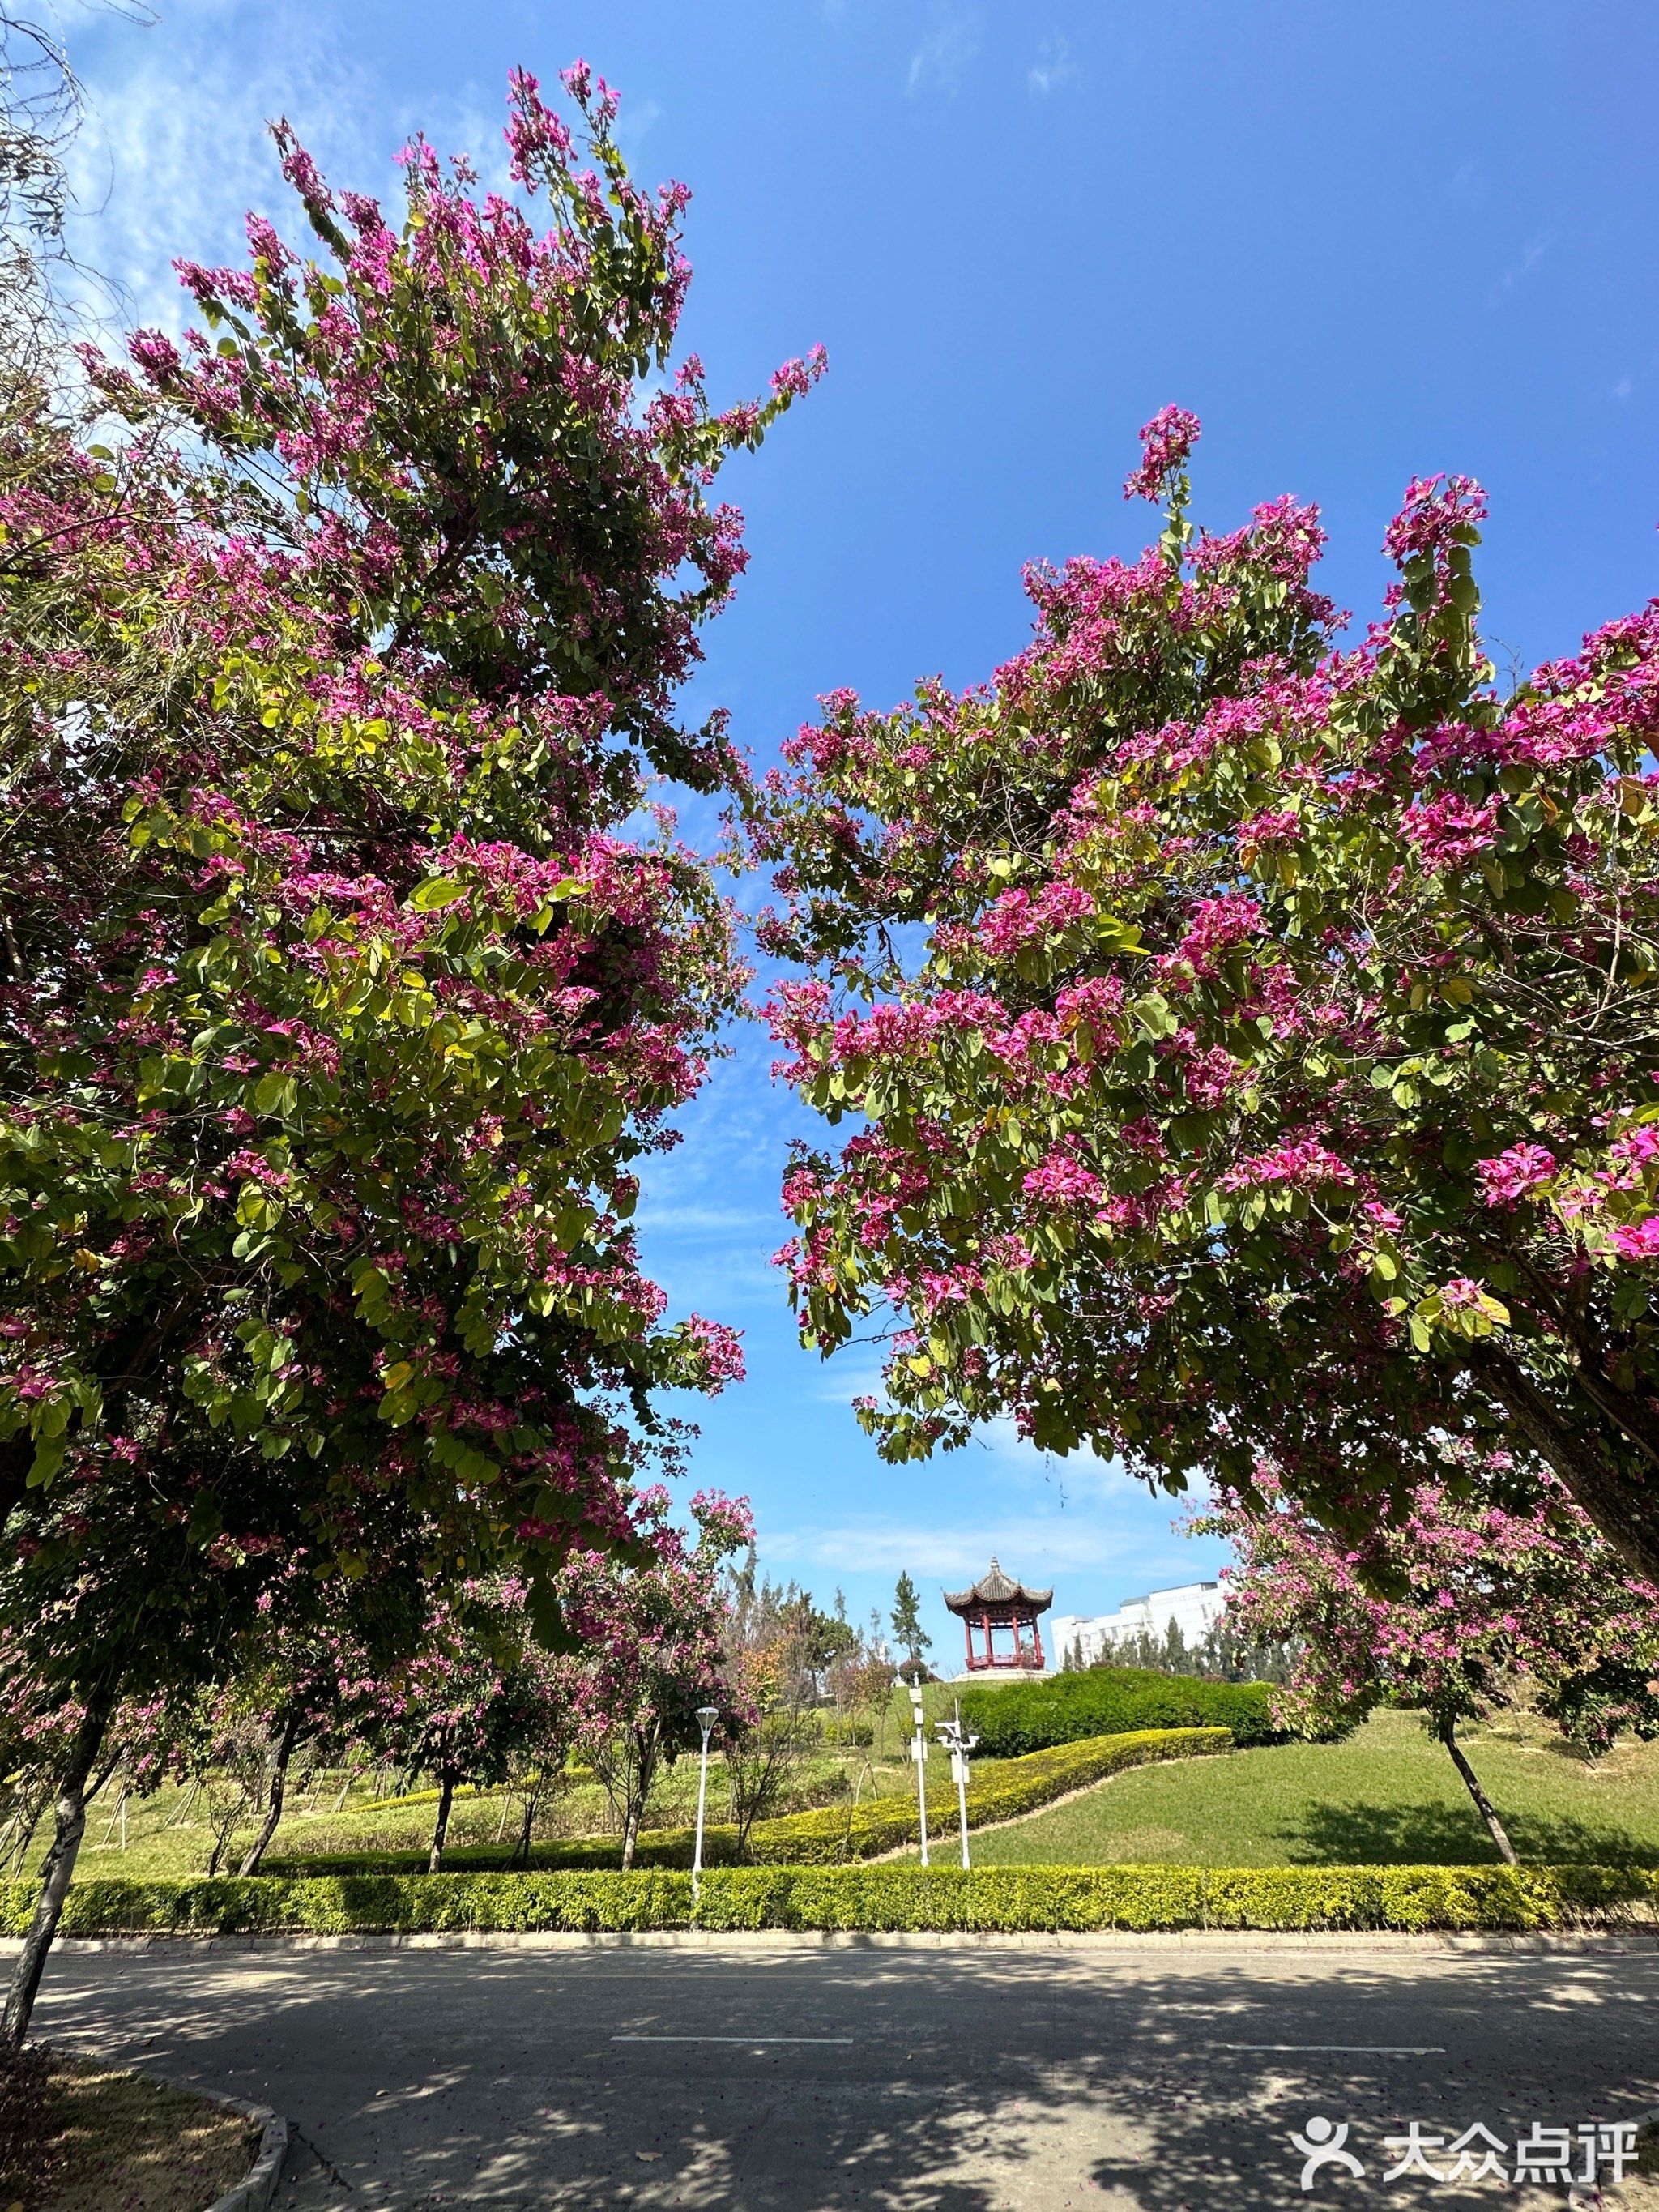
x=1192, y=1607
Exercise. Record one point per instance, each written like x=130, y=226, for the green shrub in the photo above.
x=871, y=1898
x=830, y=1834
x=1018, y=1717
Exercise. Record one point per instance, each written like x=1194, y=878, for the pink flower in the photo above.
x=1165, y=443
x=1062, y=1180
x=1638, y=1240
x=1514, y=1174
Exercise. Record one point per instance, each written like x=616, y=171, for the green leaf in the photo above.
x=435, y=892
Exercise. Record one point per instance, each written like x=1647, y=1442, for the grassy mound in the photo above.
x=1387, y=1796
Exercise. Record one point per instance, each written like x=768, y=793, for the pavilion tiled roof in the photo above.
x=995, y=1588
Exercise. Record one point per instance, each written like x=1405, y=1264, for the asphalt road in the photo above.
x=954, y=2080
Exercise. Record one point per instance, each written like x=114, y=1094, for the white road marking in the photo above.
x=1376, y=2050
x=732, y=2039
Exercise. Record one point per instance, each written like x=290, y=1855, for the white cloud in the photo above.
x=1082, y=1475
x=941, y=59
x=1531, y=254
x=175, y=148
x=634, y=124
x=1053, y=67
x=706, y=1220
x=1031, y=1545
x=1624, y=388
x=847, y=1376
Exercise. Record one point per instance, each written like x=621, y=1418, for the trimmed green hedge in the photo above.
x=874, y=1899
x=1018, y=1718
x=834, y=1833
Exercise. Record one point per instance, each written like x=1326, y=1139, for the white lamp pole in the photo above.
x=919, y=1753
x=958, y=1746
x=706, y=1717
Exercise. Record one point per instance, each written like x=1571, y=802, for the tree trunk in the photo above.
x=1483, y=1804
x=1625, y=1512
x=641, y=1772
x=440, y=1827
x=227, y=1829
x=285, y=1743
x=532, y=1798
x=69, y=1827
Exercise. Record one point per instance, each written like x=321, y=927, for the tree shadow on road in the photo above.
x=972, y=2080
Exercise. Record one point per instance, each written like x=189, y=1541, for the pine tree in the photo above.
x=908, y=1629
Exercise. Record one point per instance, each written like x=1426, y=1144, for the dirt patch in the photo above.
x=119, y=2142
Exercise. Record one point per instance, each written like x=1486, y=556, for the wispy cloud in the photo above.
x=845, y=1377
x=176, y=146
x=713, y=1219
x=939, y=62
x=1531, y=254
x=1053, y=68
x=1033, y=1544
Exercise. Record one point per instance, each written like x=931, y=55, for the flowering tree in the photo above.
x=651, y=1632
x=1487, y=1603
x=1277, y=1078
x=477, y=1703
x=338, y=1001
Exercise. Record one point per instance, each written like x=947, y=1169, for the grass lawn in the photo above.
x=1387, y=1797
x=119, y=2139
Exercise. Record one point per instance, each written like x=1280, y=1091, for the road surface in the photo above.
x=948, y=2079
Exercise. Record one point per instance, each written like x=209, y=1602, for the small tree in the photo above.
x=909, y=1633
x=479, y=1704
x=1486, y=1601
x=652, y=1630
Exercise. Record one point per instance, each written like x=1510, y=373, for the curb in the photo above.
x=254, y=2192
x=1603, y=1942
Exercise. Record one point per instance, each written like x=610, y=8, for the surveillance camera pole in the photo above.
x=919, y=1753
x=958, y=1746
x=706, y=1717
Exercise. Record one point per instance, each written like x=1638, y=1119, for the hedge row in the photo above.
x=1025, y=1716
x=884, y=1898
x=833, y=1833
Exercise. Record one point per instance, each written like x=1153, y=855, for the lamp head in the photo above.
x=706, y=1717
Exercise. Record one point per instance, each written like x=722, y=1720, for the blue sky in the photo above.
x=1362, y=241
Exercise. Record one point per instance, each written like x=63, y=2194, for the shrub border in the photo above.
x=872, y=1900
x=830, y=1834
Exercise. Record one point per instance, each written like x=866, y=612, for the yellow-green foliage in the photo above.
x=838, y=1832
x=892, y=1898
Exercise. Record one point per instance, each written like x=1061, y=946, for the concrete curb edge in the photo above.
x=1633, y=1939
x=258, y=2186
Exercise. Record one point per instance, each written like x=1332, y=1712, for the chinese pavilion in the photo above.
x=1000, y=1617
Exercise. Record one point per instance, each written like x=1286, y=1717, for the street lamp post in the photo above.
x=706, y=1717
x=919, y=1753
x=958, y=1746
